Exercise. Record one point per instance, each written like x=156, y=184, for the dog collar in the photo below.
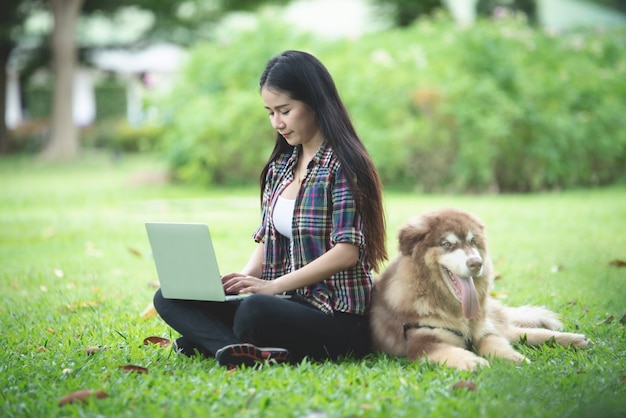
x=469, y=344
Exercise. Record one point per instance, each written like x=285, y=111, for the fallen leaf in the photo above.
x=497, y=276
x=161, y=342
x=73, y=307
x=132, y=368
x=623, y=320
x=608, y=320
x=465, y=384
x=556, y=269
x=149, y=312
x=48, y=233
x=618, y=263
x=92, y=251
x=82, y=396
x=42, y=349
x=94, y=349
x=135, y=252
x=622, y=379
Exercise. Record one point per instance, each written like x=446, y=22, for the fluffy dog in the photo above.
x=433, y=299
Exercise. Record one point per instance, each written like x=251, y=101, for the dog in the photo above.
x=433, y=299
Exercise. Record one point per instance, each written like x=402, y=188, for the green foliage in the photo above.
x=117, y=135
x=500, y=106
x=110, y=98
x=76, y=273
x=405, y=12
x=219, y=133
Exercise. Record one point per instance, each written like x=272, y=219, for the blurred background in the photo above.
x=448, y=95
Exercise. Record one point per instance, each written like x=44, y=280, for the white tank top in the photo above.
x=283, y=215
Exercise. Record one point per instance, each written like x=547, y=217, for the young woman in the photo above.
x=321, y=236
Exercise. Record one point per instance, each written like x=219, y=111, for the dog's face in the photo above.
x=452, y=245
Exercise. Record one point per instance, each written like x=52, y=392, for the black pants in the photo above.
x=266, y=321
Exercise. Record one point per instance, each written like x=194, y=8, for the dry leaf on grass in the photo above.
x=82, y=396
x=465, y=384
x=73, y=307
x=94, y=349
x=135, y=252
x=131, y=368
x=623, y=320
x=618, y=263
x=161, y=342
x=149, y=312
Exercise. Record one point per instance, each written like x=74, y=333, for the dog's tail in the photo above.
x=533, y=317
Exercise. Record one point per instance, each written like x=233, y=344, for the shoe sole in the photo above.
x=250, y=356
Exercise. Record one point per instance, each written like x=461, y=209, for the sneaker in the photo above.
x=236, y=355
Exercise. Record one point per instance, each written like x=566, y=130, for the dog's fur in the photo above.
x=433, y=299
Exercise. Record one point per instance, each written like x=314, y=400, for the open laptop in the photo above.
x=186, y=263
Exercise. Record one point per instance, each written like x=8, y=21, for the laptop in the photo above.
x=186, y=263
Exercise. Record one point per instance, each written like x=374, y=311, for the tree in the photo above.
x=12, y=15
x=63, y=143
x=174, y=21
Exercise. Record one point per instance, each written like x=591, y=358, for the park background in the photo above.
x=509, y=111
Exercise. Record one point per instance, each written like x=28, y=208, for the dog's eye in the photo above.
x=474, y=243
x=446, y=244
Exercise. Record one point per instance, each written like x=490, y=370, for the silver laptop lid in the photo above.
x=185, y=261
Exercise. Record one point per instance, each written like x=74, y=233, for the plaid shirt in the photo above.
x=324, y=215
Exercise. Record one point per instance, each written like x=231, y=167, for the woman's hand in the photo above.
x=237, y=283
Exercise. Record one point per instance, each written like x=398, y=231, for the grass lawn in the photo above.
x=76, y=272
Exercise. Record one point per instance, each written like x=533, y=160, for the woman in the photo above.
x=322, y=234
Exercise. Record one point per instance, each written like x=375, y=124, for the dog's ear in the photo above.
x=410, y=234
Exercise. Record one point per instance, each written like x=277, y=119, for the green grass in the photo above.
x=76, y=272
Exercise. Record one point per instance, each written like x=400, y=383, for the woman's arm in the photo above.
x=341, y=257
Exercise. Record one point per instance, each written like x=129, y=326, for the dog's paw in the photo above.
x=470, y=363
x=516, y=357
x=579, y=341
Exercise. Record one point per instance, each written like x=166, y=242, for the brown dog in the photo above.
x=433, y=299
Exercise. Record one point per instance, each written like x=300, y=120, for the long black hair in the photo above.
x=304, y=78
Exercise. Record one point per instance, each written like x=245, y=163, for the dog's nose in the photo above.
x=474, y=264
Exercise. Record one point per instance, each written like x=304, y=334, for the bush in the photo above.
x=498, y=107
x=118, y=135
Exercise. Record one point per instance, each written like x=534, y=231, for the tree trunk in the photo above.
x=5, y=139
x=63, y=143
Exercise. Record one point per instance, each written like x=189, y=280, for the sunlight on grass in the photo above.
x=77, y=272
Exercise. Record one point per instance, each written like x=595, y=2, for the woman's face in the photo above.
x=293, y=119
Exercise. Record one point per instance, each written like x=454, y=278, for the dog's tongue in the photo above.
x=469, y=298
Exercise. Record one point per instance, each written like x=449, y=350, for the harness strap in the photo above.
x=469, y=344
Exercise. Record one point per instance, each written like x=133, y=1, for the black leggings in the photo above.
x=266, y=321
